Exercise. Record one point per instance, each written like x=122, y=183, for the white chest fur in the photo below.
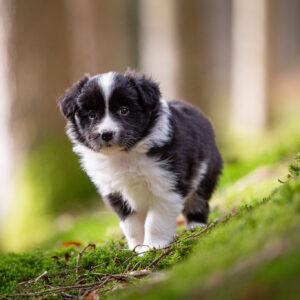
x=139, y=178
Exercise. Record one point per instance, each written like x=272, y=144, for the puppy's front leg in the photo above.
x=133, y=228
x=160, y=225
x=131, y=221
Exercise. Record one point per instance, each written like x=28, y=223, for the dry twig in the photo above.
x=80, y=255
x=99, y=285
x=35, y=280
x=158, y=259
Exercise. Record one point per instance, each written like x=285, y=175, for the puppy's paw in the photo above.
x=141, y=249
x=192, y=225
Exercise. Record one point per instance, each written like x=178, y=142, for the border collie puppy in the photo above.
x=150, y=159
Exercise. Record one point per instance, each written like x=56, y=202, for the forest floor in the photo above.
x=249, y=248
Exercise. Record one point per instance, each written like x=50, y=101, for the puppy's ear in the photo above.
x=147, y=88
x=67, y=102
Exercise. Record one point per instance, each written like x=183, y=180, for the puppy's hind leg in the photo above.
x=196, y=210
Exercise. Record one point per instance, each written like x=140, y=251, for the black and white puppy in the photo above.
x=150, y=159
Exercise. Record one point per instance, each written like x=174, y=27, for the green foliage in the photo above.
x=244, y=234
x=53, y=171
x=274, y=146
x=85, y=229
x=48, y=183
x=231, y=240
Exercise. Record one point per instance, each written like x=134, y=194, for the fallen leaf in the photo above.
x=71, y=243
x=93, y=296
x=116, y=260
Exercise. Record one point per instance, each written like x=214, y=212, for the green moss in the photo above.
x=236, y=238
x=240, y=237
x=257, y=221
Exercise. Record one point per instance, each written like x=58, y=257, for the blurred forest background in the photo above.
x=237, y=60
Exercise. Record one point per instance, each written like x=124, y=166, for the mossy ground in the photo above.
x=249, y=251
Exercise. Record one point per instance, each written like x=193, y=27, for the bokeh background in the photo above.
x=237, y=60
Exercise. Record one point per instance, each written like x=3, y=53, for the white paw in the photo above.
x=192, y=225
x=141, y=249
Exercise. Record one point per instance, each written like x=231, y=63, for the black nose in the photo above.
x=107, y=136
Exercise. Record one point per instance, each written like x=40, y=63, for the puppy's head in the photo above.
x=110, y=111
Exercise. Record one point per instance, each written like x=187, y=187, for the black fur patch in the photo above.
x=67, y=101
x=121, y=208
x=192, y=143
x=199, y=217
x=196, y=208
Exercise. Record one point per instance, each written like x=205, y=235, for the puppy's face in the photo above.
x=110, y=112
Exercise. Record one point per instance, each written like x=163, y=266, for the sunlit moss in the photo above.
x=246, y=233
x=239, y=236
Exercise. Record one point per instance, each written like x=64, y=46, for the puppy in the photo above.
x=150, y=159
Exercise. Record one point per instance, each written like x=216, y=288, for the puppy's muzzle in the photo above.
x=107, y=136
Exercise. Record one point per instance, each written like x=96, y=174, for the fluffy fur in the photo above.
x=150, y=159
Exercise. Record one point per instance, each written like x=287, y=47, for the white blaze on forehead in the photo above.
x=106, y=82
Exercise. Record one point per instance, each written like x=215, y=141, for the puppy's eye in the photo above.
x=124, y=110
x=92, y=114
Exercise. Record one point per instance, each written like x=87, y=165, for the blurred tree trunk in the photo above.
x=284, y=57
x=158, y=43
x=249, y=100
x=54, y=42
x=41, y=65
x=217, y=33
x=193, y=53
x=100, y=35
x=204, y=56
x=6, y=98
x=185, y=45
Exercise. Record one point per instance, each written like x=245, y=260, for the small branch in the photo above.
x=206, y=228
x=108, y=290
x=98, y=266
x=133, y=268
x=99, y=285
x=158, y=259
x=80, y=255
x=57, y=290
x=127, y=268
x=128, y=259
x=35, y=280
x=68, y=295
x=115, y=276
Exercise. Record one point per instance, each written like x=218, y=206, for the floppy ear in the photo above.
x=147, y=88
x=67, y=102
